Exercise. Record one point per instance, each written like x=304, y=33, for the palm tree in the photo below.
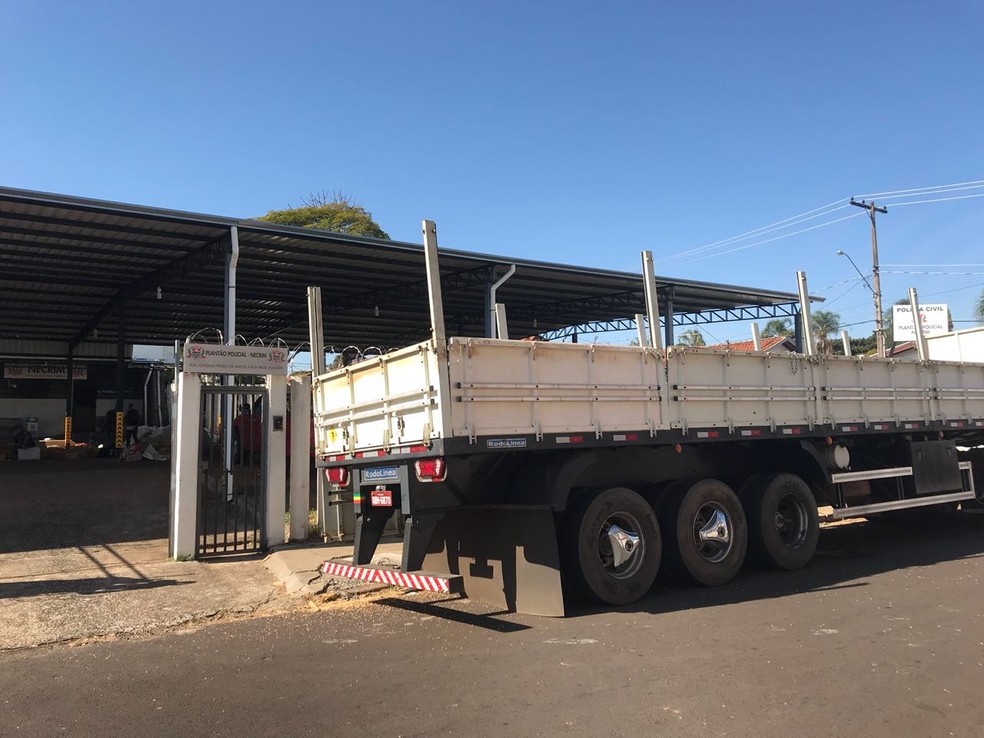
x=825, y=323
x=693, y=337
x=778, y=327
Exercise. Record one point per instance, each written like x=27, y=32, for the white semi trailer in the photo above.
x=527, y=470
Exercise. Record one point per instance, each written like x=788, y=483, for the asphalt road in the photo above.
x=880, y=636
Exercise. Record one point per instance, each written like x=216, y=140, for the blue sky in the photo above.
x=568, y=131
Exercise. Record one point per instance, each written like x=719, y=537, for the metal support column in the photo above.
x=756, y=337
x=922, y=348
x=809, y=344
x=228, y=408
x=70, y=395
x=316, y=337
x=652, y=302
x=669, y=318
x=120, y=373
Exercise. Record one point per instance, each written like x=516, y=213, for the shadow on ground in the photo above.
x=89, y=586
x=846, y=556
x=62, y=503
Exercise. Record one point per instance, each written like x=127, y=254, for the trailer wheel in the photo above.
x=612, y=546
x=706, y=531
x=782, y=520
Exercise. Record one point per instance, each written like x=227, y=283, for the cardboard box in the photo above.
x=29, y=454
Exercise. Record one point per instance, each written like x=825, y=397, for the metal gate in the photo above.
x=232, y=471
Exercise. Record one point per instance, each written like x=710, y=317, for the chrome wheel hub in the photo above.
x=624, y=544
x=620, y=548
x=712, y=533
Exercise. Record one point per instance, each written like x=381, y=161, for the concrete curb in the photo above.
x=299, y=568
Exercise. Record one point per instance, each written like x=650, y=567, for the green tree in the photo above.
x=859, y=346
x=778, y=327
x=326, y=211
x=693, y=337
x=825, y=323
x=979, y=308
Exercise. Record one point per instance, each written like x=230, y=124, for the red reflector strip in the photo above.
x=395, y=578
x=369, y=454
x=880, y=426
x=956, y=424
x=625, y=437
x=752, y=432
x=910, y=426
x=791, y=431
x=848, y=428
x=569, y=439
x=418, y=449
x=708, y=434
x=336, y=458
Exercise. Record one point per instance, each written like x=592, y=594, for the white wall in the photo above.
x=966, y=345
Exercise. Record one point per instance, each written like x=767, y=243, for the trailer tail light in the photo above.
x=337, y=475
x=430, y=470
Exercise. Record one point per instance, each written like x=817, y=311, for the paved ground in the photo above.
x=83, y=555
x=880, y=636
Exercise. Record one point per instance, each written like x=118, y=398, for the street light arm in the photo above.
x=863, y=278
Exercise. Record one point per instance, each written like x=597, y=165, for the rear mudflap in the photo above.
x=506, y=557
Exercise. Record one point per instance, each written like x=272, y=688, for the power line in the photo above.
x=955, y=289
x=836, y=284
x=934, y=192
x=832, y=300
x=938, y=199
x=776, y=238
x=941, y=274
x=923, y=190
x=778, y=225
x=820, y=212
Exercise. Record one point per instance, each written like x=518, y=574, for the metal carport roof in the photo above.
x=70, y=267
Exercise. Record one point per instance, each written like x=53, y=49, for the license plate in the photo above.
x=381, y=498
x=380, y=474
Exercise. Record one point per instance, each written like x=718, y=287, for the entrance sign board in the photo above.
x=213, y=358
x=934, y=319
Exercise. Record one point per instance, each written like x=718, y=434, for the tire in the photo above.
x=783, y=523
x=590, y=546
x=711, y=559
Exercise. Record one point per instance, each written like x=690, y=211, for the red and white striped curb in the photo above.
x=387, y=576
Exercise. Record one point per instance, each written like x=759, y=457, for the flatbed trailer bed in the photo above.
x=497, y=450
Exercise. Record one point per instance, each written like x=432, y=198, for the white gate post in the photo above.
x=275, y=447
x=184, y=516
x=300, y=456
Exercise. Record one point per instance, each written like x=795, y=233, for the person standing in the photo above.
x=131, y=421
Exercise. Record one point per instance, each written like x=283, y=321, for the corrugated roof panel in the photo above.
x=63, y=260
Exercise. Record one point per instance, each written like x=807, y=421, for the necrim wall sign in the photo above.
x=43, y=371
x=211, y=358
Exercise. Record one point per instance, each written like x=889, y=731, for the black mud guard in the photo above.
x=564, y=474
x=507, y=556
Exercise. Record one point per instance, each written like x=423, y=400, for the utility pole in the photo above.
x=876, y=280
